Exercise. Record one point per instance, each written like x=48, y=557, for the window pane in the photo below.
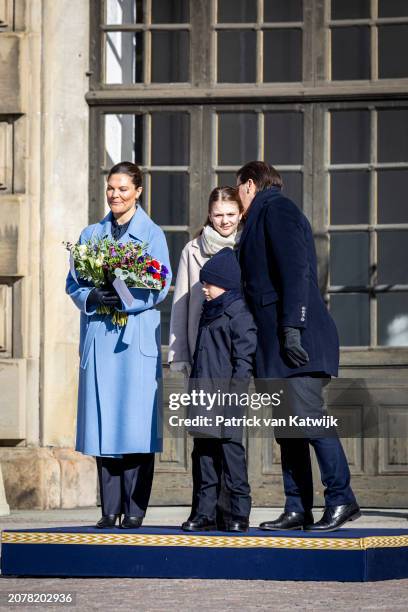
x=283, y=10
x=170, y=139
x=176, y=242
x=349, y=259
x=293, y=187
x=236, y=56
x=284, y=138
x=349, y=197
x=170, y=11
x=350, y=9
x=282, y=56
x=123, y=139
x=392, y=258
x=170, y=198
x=393, y=135
x=393, y=196
x=124, y=57
x=393, y=319
x=350, y=53
x=351, y=313
x=236, y=11
x=170, y=57
x=124, y=11
x=392, y=8
x=226, y=179
x=350, y=137
x=393, y=51
x=237, y=138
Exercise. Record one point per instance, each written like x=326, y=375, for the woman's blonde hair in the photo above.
x=225, y=194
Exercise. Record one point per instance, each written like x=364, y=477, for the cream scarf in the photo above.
x=212, y=241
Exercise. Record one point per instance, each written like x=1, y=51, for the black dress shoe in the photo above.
x=132, y=522
x=335, y=516
x=107, y=521
x=239, y=524
x=199, y=523
x=289, y=521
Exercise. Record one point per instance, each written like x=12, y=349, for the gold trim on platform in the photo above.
x=203, y=541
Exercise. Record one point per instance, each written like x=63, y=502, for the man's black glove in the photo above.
x=293, y=348
x=102, y=297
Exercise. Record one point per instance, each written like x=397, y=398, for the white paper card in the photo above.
x=123, y=291
x=72, y=268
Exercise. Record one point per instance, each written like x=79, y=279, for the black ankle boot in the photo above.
x=199, y=523
x=238, y=524
x=132, y=522
x=107, y=521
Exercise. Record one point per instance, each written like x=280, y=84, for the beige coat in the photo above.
x=187, y=303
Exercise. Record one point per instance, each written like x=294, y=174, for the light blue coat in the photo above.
x=119, y=395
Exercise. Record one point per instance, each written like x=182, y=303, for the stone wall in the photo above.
x=44, y=58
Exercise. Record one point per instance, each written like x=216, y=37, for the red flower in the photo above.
x=155, y=264
x=157, y=276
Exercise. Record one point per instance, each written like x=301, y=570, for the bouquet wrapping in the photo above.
x=108, y=264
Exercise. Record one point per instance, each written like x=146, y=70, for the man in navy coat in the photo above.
x=297, y=340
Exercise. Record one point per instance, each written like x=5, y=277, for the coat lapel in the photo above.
x=103, y=228
x=139, y=227
x=197, y=251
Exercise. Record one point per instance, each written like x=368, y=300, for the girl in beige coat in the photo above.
x=221, y=230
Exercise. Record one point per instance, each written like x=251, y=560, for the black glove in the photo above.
x=293, y=348
x=102, y=297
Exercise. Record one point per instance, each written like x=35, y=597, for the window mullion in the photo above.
x=373, y=231
x=259, y=45
x=374, y=41
x=261, y=135
x=147, y=158
x=147, y=44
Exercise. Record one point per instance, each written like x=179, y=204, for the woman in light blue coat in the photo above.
x=119, y=395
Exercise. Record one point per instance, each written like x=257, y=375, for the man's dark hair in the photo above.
x=264, y=175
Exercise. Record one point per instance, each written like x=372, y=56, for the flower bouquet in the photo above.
x=103, y=261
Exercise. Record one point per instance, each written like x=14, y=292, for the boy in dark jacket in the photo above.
x=223, y=357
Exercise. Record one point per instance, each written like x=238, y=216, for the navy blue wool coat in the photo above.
x=279, y=271
x=223, y=361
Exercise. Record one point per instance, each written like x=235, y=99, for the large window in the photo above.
x=275, y=134
x=259, y=42
x=146, y=42
x=192, y=90
x=369, y=224
x=369, y=39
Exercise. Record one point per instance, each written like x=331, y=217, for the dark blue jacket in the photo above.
x=279, y=271
x=223, y=360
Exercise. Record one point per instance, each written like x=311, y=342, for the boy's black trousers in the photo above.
x=213, y=457
x=125, y=483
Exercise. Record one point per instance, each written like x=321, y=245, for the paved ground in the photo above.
x=188, y=595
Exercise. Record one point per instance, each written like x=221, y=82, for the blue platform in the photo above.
x=348, y=555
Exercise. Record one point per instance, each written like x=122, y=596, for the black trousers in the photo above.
x=125, y=484
x=223, y=509
x=216, y=458
x=305, y=399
